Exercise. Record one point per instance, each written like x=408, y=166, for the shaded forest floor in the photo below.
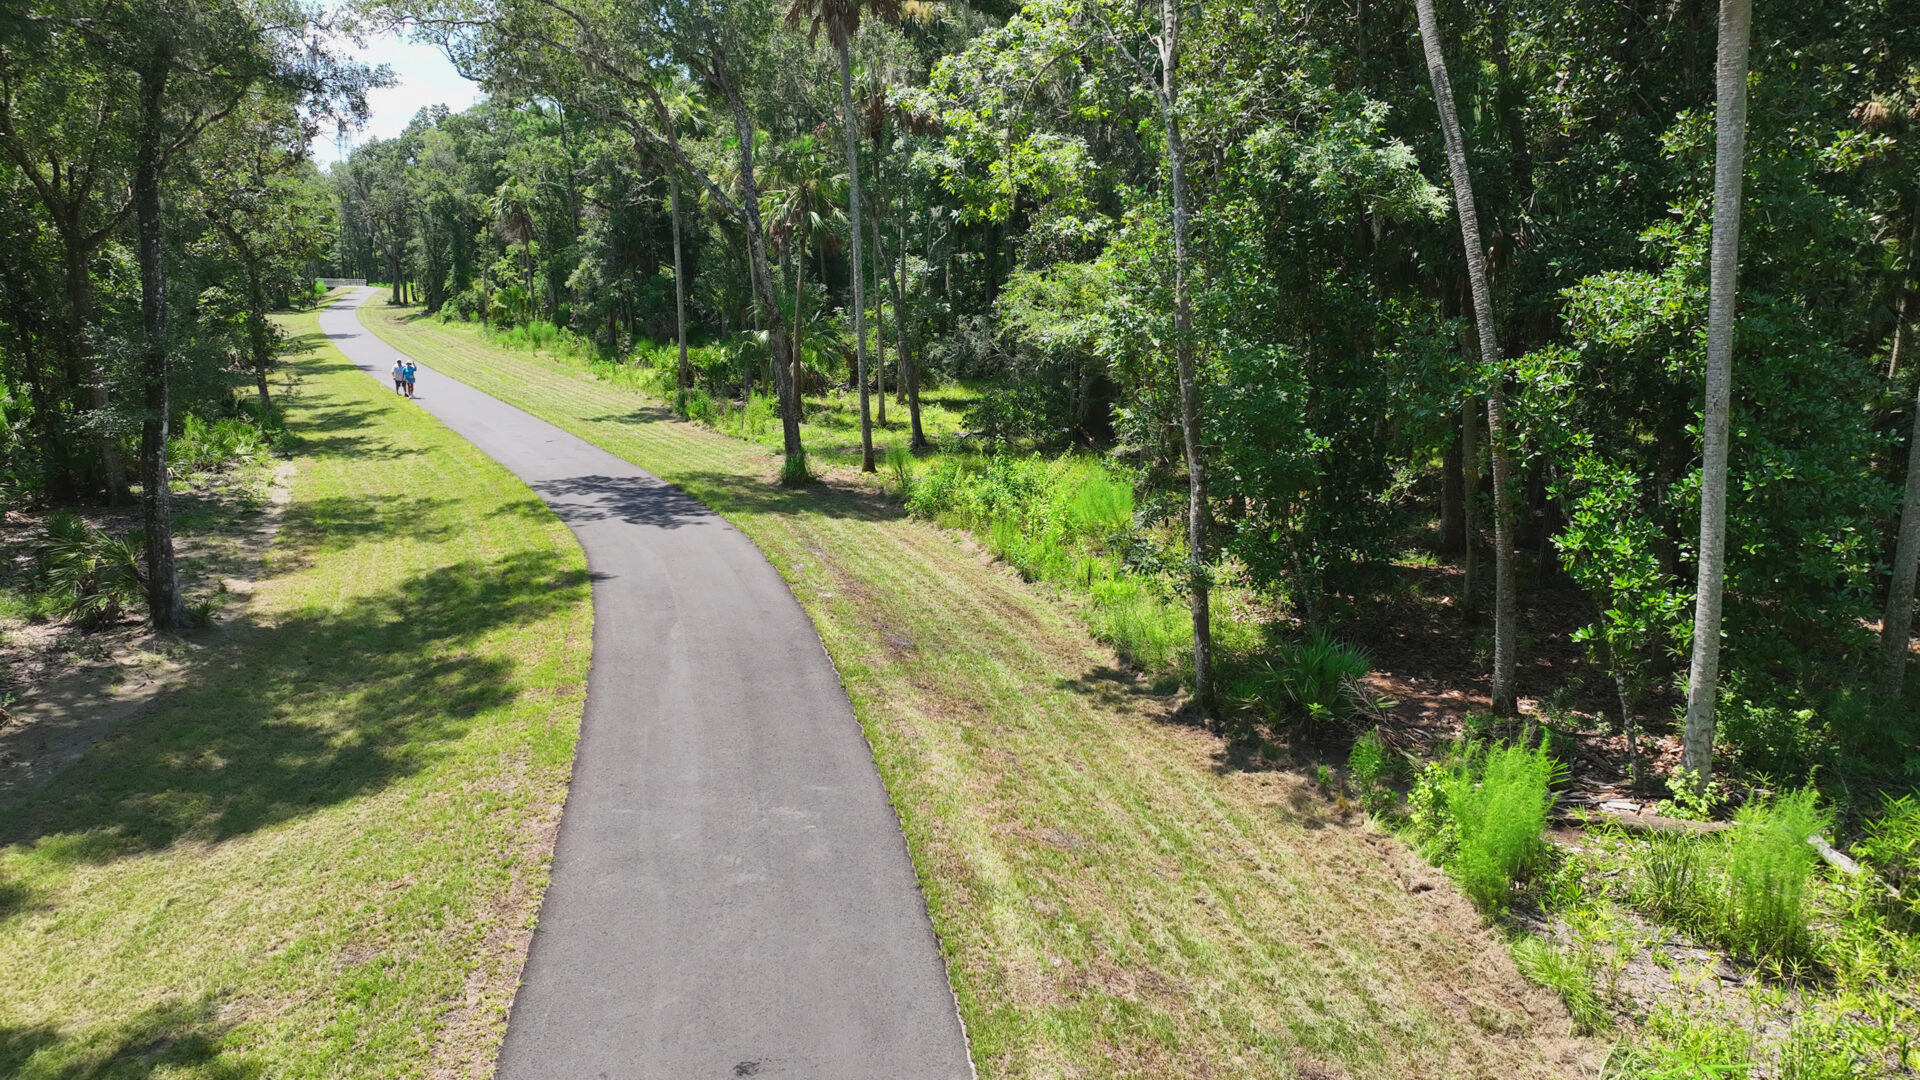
x=321, y=849
x=1118, y=892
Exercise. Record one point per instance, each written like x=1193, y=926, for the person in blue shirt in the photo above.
x=410, y=370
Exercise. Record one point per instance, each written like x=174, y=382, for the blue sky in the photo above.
x=424, y=77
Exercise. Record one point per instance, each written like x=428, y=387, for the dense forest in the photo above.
x=1333, y=288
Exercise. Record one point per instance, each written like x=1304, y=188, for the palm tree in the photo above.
x=1730, y=138
x=1504, y=601
x=841, y=19
x=800, y=208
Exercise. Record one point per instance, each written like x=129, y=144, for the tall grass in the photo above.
x=1764, y=907
x=1067, y=520
x=1482, y=812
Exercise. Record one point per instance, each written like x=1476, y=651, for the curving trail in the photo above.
x=731, y=895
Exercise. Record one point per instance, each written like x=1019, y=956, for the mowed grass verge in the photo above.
x=321, y=856
x=1117, y=894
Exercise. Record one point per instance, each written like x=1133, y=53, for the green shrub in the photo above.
x=95, y=578
x=1768, y=862
x=1316, y=680
x=1774, y=740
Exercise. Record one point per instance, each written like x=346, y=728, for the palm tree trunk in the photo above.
x=879, y=320
x=859, y=241
x=1197, y=570
x=679, y=286
x=909, y=369
x=1504, y=603
x=1730, y=135
x=779, y=350
x=799, y=297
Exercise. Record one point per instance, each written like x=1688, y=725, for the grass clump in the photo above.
x=793, y=470
x=1567, y=973
x=1481, y=812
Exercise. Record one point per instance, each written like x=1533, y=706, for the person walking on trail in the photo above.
x=399, y=377
x=411, y=369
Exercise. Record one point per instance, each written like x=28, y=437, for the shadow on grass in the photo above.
x=161, y=1040
x=730, y=492
x=327, y=705
x=644, y=414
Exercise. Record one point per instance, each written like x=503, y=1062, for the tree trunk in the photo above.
x=163, y=588
x=769, y=301
x=858, y=239
x=909, y=366
x=1470, y=504
x=1197, y=570
x=259, y=335
x=679, y=287
x=93, y=382
x=1896, y=631
x=1730, y=134
x=1453, y=519
x=1504, y=604
x=880, y=275
x=799, y=297
x=1903, y=306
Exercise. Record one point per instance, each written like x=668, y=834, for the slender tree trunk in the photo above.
x=1504, y=604
x=1470, y=504
x=1903, y=306
x=880, y=276
x=909, y=365
x=1197, y=569
x=858, y=237
x=93, y=397
x=899, y=304
x=259, y=334
x=1453, y=521
x=799, y=298
x=163, y=588
x=1730, y=135
x=679, y=287
x=769, y=302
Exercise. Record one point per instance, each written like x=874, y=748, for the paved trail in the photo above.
x=731, y=895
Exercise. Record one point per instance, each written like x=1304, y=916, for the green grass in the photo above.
x=1118, y=893
x=316, y=857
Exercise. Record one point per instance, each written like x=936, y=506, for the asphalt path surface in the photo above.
x=731, y=894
